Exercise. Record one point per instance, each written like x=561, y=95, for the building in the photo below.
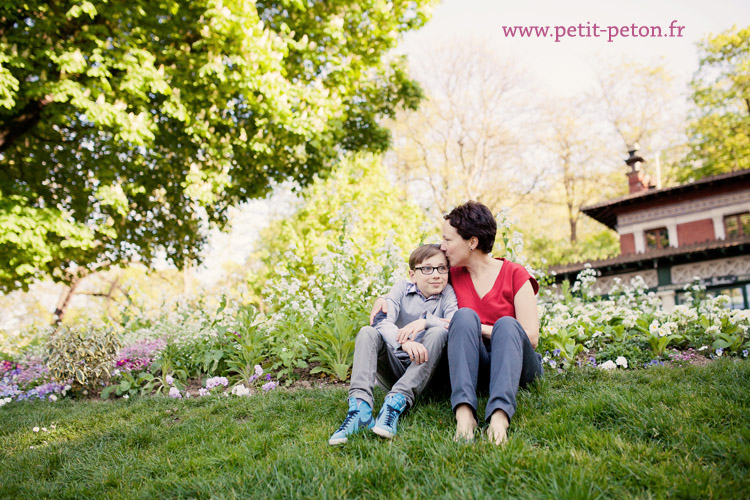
x=672, y=235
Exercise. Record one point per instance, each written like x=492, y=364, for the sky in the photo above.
x=565, y=67
x=568, y=65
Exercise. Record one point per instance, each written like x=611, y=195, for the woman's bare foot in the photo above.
x=497, y=431
x=465, y=423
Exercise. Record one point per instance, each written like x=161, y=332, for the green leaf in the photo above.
x=107, y=391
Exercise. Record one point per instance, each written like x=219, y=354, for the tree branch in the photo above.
x=22, y=123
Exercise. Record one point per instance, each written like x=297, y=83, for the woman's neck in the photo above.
x=480, y=263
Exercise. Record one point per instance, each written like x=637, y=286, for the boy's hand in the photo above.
x=380, y=305
x=417, y=352
x=411, y=330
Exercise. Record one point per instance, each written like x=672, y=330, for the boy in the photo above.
x=403, y=348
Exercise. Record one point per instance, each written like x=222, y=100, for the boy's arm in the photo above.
x=387, y=327
x=448, y=307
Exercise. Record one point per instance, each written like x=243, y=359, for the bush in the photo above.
x=82, y=355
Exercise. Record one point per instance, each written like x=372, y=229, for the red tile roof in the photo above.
x=605, y=212
x=684, y=250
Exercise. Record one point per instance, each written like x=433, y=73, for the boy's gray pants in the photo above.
x=509, y=362
x=373, y=357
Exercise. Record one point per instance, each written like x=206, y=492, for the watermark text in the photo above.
x=593, y=30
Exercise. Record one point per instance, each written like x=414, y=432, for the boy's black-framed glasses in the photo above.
x=428, y=270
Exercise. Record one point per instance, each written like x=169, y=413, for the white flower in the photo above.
x=608, y=365
x=240, y=390
x=126, y=397
x=174, y=392
x=35, y=429
x=621, y=361
x=654, y=327
x=170, y=380
x=52, y=398
x=44, y=429
x=258, y=370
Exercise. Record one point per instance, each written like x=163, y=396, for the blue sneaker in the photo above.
x=393, y=407
x=358, y=418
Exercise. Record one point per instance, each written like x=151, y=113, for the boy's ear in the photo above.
x=412, y=273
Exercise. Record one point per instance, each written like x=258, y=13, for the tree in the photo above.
x=720, y=127
x=577, y=163
x=128, y=126
x=465, y=140
x=578, y=172
x=359, y=195
x=645, y=110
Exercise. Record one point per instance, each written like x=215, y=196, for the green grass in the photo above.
x=661, y=432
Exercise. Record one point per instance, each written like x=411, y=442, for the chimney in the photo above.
x=637, y=179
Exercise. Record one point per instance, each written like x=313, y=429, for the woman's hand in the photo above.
x=411, y=330
x=416, y=351
x=380, y=305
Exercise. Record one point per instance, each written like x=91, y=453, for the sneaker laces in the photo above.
x=391, y=415
x=349, y=417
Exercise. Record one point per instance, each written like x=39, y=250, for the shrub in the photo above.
x=83, y=355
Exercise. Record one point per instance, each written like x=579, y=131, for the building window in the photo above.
x=737, y=225
x=739, y=296
x=657, y=238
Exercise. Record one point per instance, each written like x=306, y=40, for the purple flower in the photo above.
x=268, y=375
x=556, y=352
x=216, y=381
x=269, y=386
x=174, y=392
x=140, y=355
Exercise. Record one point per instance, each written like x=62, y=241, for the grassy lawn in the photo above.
x=678, y=432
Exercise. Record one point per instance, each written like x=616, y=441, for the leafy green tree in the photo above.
x=720, y=129
x=358, y=195
x=127, y=126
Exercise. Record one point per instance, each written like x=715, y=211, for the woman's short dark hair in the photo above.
x=474, y=219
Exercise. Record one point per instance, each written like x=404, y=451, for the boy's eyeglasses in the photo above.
x=429, y=269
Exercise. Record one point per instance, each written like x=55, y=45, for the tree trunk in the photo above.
x=64, y=301
x=573, y=230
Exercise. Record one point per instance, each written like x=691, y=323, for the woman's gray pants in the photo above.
x=508, y=361
x=374, y=357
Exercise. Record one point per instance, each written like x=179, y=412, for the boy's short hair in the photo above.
x=420, y=254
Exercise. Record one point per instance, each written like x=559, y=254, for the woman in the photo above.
x=492, y=336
